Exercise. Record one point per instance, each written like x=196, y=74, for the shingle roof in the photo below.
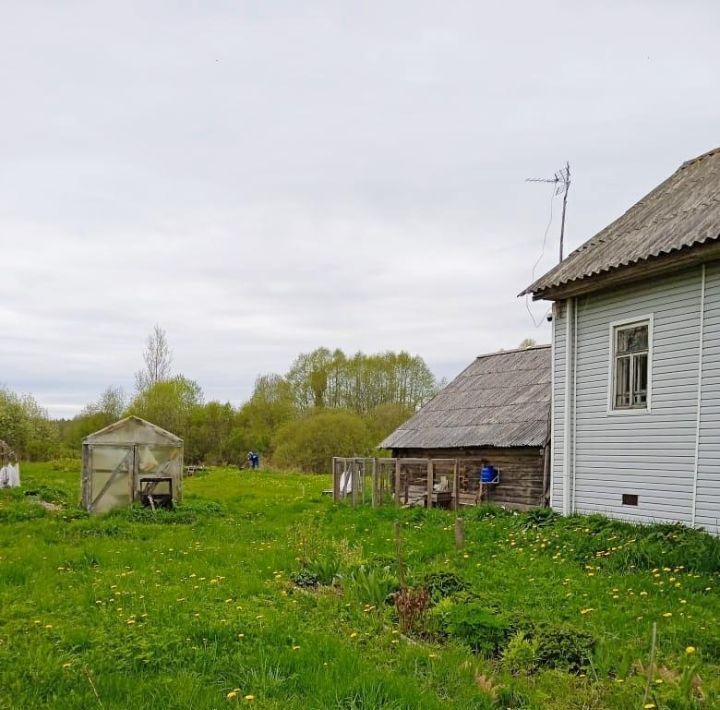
x=679, y=213
x=500, y=400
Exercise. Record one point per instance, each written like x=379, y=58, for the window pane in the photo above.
x=622, y=382
x=632, y=340
x=640, y=378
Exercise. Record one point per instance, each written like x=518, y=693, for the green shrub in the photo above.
x=563, y=648
x=443, y=584
x=310, y=443
x=485, y=632
x=520, y=657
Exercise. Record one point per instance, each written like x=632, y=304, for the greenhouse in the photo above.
x=131, y=461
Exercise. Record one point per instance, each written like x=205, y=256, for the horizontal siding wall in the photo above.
x=649, y=454
x=556, y=475
x=707, y=504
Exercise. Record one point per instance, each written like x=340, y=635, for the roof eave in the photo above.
x=629, y=273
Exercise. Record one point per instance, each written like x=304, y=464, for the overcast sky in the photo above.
x=262, y=178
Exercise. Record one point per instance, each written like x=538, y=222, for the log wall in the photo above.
x=521, y=472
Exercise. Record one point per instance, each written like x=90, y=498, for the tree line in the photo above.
x=328, y=403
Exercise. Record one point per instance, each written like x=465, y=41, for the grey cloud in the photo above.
x=263, y=178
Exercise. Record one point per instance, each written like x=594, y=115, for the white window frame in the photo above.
x=640, y=320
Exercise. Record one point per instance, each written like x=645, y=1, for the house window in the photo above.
x=631, y=351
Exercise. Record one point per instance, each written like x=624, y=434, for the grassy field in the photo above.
x=258, y=591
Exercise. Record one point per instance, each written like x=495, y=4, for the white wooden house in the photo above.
x=636, y=359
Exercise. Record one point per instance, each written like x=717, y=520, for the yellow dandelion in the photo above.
x=690, y=650
x=353, y=635
x=586, y=611
x=232, y=695
x=296, y=648
x=649, y=706
x=667, y=614
x=67, y=665
x=249, y=698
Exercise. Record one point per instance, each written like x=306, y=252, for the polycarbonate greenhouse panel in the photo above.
x=110, y=477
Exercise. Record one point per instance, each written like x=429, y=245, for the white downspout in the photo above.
x=699, y=396
x=567, y=424
x=574, y=403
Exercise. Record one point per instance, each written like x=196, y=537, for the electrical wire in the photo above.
x=537, y=324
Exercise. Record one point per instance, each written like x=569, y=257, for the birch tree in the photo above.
x=158, y=359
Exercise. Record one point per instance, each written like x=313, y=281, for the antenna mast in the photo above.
x=561, y=180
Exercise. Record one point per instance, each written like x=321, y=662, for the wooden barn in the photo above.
x=495, y=415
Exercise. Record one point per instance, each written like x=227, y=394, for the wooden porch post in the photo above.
x=430, y=481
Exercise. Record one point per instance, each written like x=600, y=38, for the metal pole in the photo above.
x=565, y=196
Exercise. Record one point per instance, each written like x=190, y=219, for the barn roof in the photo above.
x=502, y=400
x=682, y=212
x=133, y=429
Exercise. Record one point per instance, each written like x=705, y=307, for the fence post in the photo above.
x=354, y=478
x=335, y=482
x=430, y=482
x=455, y=485
x=374, y=483
x=397, y=481
x=459, y=533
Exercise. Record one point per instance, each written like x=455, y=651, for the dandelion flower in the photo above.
x=586, y=611
x=690, y=650
x=649, y=706
x=296, y=648
x=249, y=698
x=232, y=695
x=667, y=614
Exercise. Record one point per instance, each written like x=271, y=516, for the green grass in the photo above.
x=177, y=610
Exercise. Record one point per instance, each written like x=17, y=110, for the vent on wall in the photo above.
x=629, y=499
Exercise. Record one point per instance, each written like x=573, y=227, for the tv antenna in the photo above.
x=561, y=180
